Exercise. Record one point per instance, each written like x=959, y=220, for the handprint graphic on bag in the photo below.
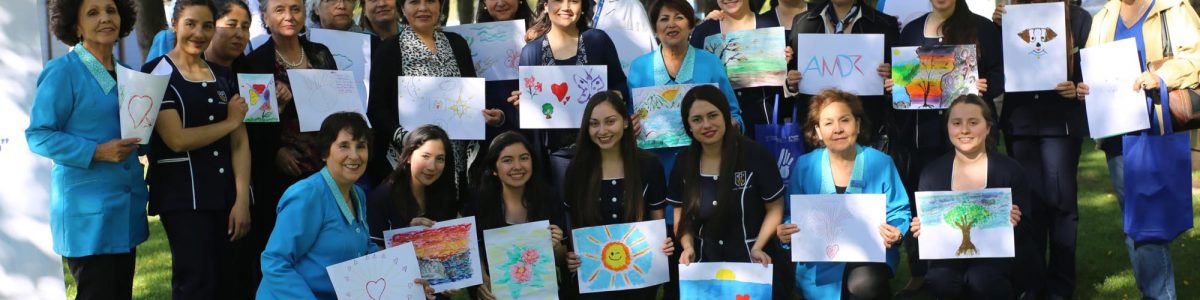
x=785, y=163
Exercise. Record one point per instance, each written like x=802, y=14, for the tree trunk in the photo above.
x=150, y=20
x=966, y=247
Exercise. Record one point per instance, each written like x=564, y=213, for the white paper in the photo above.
x=905, y=10
x=495, y=47
x=443, y=252
x=453, y=103
x=381, y=275
x=983, y=8
x=630, y=44
x=259, y=92
x=1035, y=46
x=555, y=96
x=839, y=227
x=320, y=93
x=984, y=213
x=843, y=61
x=621, y=256
x=140, y=97
x=351, y=51
x=704, y=281
x=521, y=261
x=1113, y=106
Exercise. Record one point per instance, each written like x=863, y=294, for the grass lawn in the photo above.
x=1103, y=265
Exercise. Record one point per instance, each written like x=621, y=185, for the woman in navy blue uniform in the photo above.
x=737, y=16
x=418, y=191
x=199, y=171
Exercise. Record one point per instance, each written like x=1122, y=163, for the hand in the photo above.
x=998, y=13
x=115, y=150
x=239, y=221
x=715, y=15
x=1066, y=89
x=1146, y=81
x=787, y=53
x=286, y=161
x=785, y=162
x=637, y=125
x=284, y=92
x=793, y=80
x=428, y=289
x=887, y=85
x=785, y=231
x=669, y=247
x=485, y=289
x=556, y=235
x=981, y=85
x=573, y=262
x=915, y=227
x=737, y=125
x=515, y=99
x=884, y=70
x=890, y=234
x=493, y=117
x=1082, y=90
x=758, y=256
x=687, y=256
x=1015, y=215
x=421, y=221
x=236, y=109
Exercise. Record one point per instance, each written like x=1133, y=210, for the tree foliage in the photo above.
x=967, y=215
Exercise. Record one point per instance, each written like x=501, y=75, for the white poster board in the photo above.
x=966, y=224
x=630, y=44
x=843, y=61
x=839, y=227
x=621, y=256
x=351, y=51
x=387, y=274
x=983, y=8
x=724, y=280
x=1113, y=106
x=554, y=97
x=1035, y=46
x=495, y=47
x=448, y=252
x=140, y=97
x=905, y=10
x=453, y=103
x=320, y=93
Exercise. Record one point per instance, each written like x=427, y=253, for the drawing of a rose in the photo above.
x=530, y=256
x=520, y=272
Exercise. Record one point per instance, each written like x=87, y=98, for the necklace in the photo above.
x=291, y=65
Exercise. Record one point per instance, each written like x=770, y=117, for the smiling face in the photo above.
x=706, y=123
x=335, y=14
x=193, y=29
x=427, y=162
x=347, y=159
x=501, y=10
x=968, y=128
x=943, y=5
x=672, y=27
x=285, y=17
x=837, y=126
x=616, y=256
x=232, y=33
x=564, y=13
x=381, y=12
x=99, y=22
x=606, y=126
x=422, y=14
x=734, y=7
x=515, y=166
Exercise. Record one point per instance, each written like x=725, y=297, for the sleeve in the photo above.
x=1183, y=71
x=735, y=109
x=1081, y=31
x=700, y=33
x=378, y=219
x=992, y=65
x=674, y=192
x=381, y=105
x=530, y=53
x=294, y=235
x=1022, y=197
x=656, y=185
x=891, y=36
x=898, y=213
x=766, y=178
x=53, y=104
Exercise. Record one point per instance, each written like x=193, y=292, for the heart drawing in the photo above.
x=375, y=288
x=742, y=297
x=832, y=250
x=560, y=91
x=138, y=107
x=259, y=91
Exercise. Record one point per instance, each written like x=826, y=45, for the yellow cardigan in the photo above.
x=1182, y=71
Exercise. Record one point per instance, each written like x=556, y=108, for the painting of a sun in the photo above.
x=621, y=256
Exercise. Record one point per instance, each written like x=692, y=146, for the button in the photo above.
x=210, y=117
x=355, y=229
x=210, y=100
x=215, y=153
x=1036, y=96
x=614, y=182
x=739, y=93
x=221, y=170
x=614, y=198
x=614, y=216
x=714, y=202
x=203, y=84
x=720, y=242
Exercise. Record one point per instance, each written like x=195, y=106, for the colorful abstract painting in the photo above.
x=838, y=227
x=320, y=93
x=140, y=96
x=259, y=92
x=621, y=256
x=930, y=77
x=452, y=103
x=1112, y=107
x=658, y=109
x=966, y=224
x=732, y=281
x=554, y=97
x=1035, y=46
x=843, y=61
x=753, y=57
x=521, y=261
x=495, y=47
x=448, y=252
x=381, y=275
x=351, y=52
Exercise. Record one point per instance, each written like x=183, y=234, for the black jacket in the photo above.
x=1046, y=113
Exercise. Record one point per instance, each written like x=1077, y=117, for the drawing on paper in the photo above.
x=351, y=52
x=739, y=281
x=838, y=227
x=521, y=261
x=960, y=218
x=448, y=253
x=1037, y=38
x=1112, y=107
x=495, y=47
x=555, y=96
x=589, y=84
x=140, y=97
x=826, y=224
x=1034, y=47
x=752, y=58
x=930, y=77
x=320, y=93
x=621, y=256
x=452, y=103
x=658, y=109
x=257, y=90
x=380, y=275
x=844, y=61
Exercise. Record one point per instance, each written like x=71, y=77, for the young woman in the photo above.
x=724, y=186
x=416, y=193
x=612, y=180
x=843, y=166
x=971, y=167
x=736, y=16
x=232, y=34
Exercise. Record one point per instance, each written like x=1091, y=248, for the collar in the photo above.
x=341, y=202
x=662, y=77
x=106, y=81
x=856, y=175
x=829, y=15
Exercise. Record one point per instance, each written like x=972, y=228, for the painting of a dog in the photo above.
x=1038, y=38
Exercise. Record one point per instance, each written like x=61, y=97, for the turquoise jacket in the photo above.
x=812, y=175
x=95, y=207
x=315, y=229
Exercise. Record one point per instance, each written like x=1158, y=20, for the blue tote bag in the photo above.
x=784, y=140
x=1158, y=192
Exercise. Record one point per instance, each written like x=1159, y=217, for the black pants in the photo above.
x=866, y=281
x=1052, y=165
x=103, y=276
x=976, y=278
x=201, y=254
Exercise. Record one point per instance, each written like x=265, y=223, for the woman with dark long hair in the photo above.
x=417, y=192
x=231, y=35
x=736, y=16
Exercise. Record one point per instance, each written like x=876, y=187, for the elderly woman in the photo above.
x=333, y=14
x=97, y=192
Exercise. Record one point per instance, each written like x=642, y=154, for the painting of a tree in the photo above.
x=964, y=217
x=973, y=223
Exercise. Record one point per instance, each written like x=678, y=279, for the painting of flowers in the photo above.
x=521, y=261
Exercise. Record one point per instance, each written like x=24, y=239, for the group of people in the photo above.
x=258, y=210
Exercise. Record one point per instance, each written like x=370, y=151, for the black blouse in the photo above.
x=612, y=192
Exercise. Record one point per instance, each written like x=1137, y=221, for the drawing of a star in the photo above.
x=459, y=107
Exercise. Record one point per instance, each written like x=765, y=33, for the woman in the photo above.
x=737, y=16
x=232, y=33
x=323, y=217
x=785, y=11
x=503, y=10
x=612, y=181
x=1044, y=131
x=333, y=14
x=199, y=172
x=416, y=193
x=1144, y=21
x=971, y=167
x=512, y=191
x=497, y=91
x=724, y=185
x=97, y=192
x=380, y=19
x=919, y=136
x=843, y=166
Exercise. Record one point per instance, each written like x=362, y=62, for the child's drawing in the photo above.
x=141, y=96
x=737, y=281
x=1035, y=46
x=320, y=93
x=621, y=256
x=555, y=96
x=448, y=253
x=752, y=57
x=381, y=275
x=965, y=224
x=930, y=77
x=589, y=84
x=258, y=90
x=521, y=261
x=495, y=47
x=351, y=52
x=657, y=108
x=843, y=61
x=452, y=103
x=838, y=227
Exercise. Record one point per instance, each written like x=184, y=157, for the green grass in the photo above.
x=1103, y=269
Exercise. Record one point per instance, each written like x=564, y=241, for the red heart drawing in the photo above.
x=560, y=91
x=259, y=88
x=832, y=250
x=375, y=288
x=743, y=297
x=139, y=105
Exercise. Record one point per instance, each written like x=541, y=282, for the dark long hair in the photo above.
x=731, y=144
x=584, y=172
x=523, y=13
x=961, y=27
x=440, y=197
x=541, y=23
x=224, y=7
x=490, y=213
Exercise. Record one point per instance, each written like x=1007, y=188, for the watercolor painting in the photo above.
x=140, y=97
x=259, y=92
x=966, y=224
x=554, y=97
x=351, y=52
x=381, y=275
x=320, y=93
x=448, y=252
x=1112, y=107
x=521, y=261
x=1035, y=46
x=843, y=61
x=621, y=256
x=733, y=281
x=658, y=109
x=930, y=77
x=495, y=47
x=452, y=103
x=838, y=227
x=753, y=57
